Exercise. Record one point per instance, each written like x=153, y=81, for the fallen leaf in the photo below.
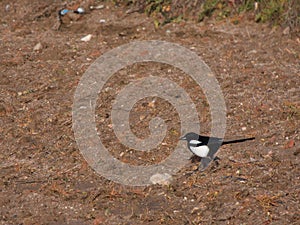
x=289, y=144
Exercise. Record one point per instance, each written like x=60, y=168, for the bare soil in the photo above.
x=45, y=179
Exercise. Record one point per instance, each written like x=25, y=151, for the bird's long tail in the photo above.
x=237, y=141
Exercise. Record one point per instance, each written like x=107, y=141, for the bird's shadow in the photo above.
x=201, y=167
x=195, y=159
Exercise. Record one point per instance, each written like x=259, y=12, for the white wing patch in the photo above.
x=195, y=142
x=201, y=151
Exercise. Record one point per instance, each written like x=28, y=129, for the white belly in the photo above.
x=200, y=151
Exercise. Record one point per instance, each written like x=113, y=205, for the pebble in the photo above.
x=162, y=179
x=97, y=7
x=7, y=7
x=86, y=38
x=252, y=51
x=80, y=10
x=37, y=47
x=286, y=31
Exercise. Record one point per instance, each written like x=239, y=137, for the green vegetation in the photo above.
x=272, y=10
x=277, y=12
x=285, y=12
x=156, y=6
x=207, y=8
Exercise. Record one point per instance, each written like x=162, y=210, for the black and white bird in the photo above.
x=206, y=147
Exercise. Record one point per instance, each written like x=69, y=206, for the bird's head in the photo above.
x=190, y=136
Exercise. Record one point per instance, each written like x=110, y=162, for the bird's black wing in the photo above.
x=205, y=161
x=210, y=140
x=213, y=144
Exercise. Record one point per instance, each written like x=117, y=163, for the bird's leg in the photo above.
x=216, y=158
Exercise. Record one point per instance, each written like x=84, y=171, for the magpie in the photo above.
x=206, y=147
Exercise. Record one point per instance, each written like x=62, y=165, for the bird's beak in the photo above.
x=182, y=138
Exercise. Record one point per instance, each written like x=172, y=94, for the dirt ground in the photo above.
x=45, y=179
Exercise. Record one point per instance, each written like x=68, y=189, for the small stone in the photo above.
x=244, y=128
x=38, y=47
x=80, y=10
x=86, y=38
x=252, y=51
x=151, y=104
x=7, y=7
x=286, y=31
x=97, y=7
x=162, y=179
